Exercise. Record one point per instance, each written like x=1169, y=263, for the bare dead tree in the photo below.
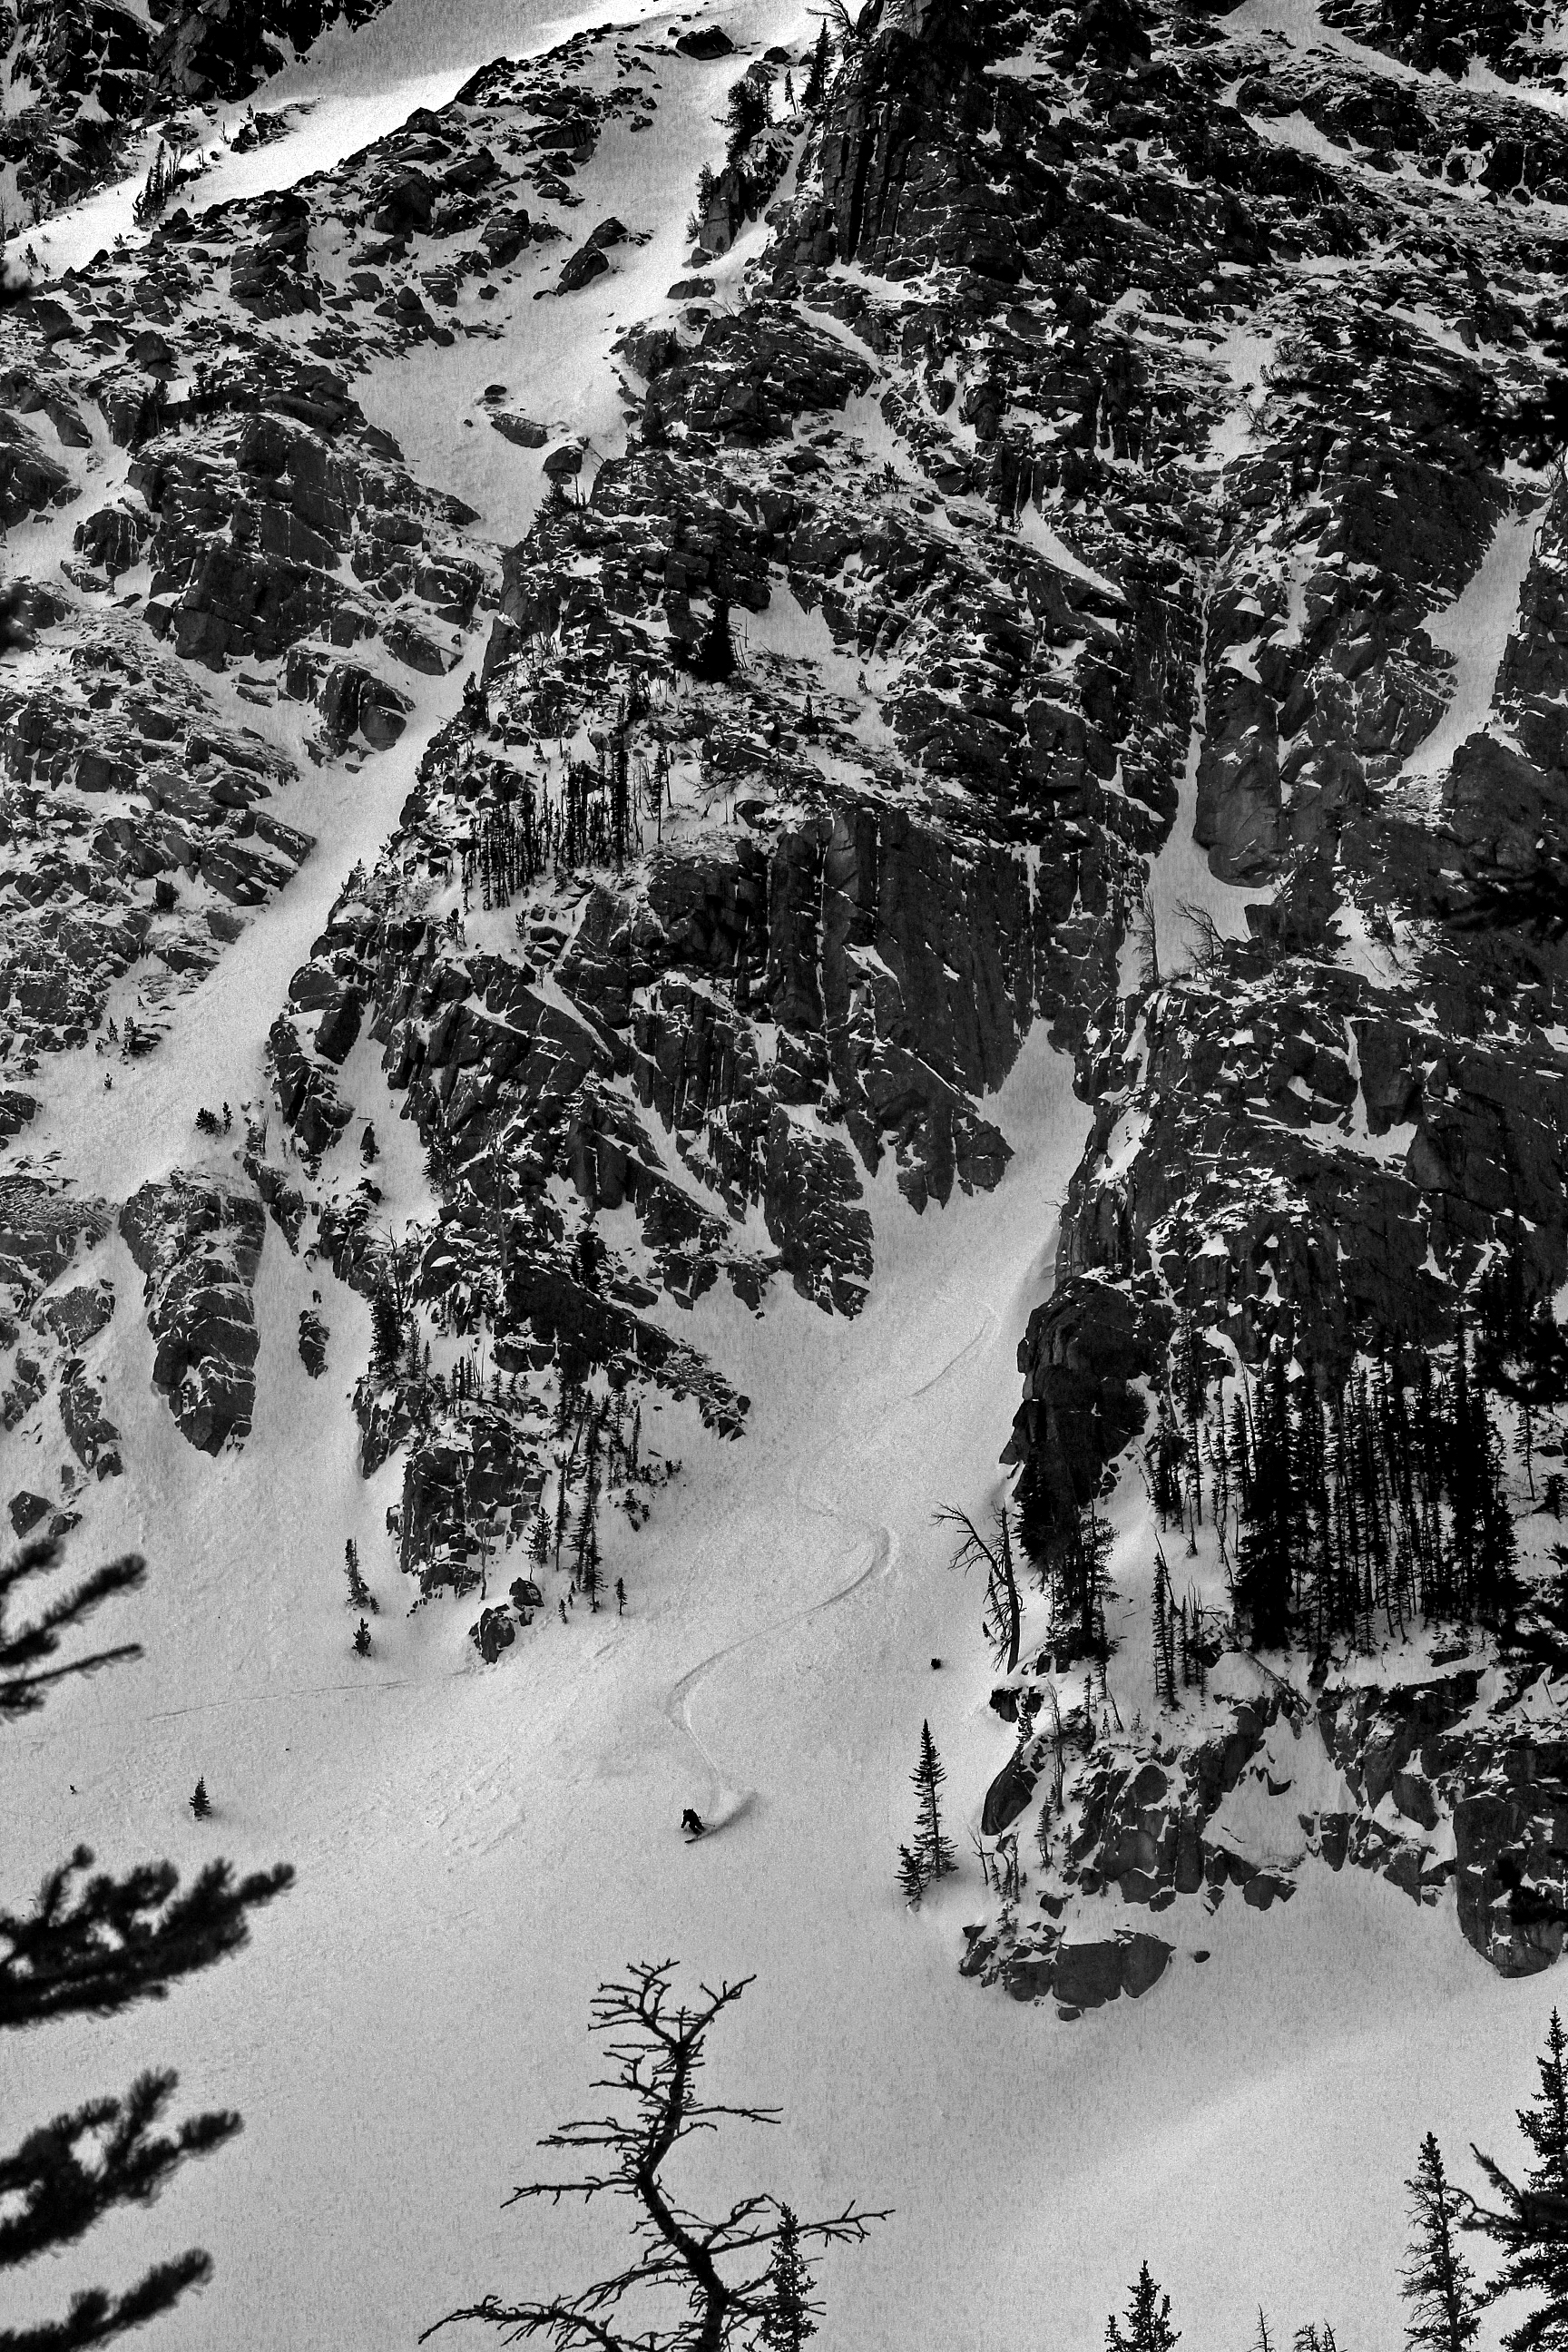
x=1145, y=932
x=1205, y=940
x=1003, y=1616
x=656, y=2049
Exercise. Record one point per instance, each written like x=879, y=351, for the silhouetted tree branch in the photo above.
x=95, y=2318
x=22, y=1691
x=63, y=2191
x=657, y=2054
x=99, y=1947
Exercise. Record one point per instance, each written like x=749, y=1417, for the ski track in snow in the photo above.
x=477, y=1848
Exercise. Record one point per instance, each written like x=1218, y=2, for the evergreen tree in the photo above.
x=1530, y=2224
x=911, y=1877
x=1437, y=2281
x=747, y=111
x=201, y=1804
x=360, y=1594
x=1273, y=1531
x=361, y=1639
x=933, y=1850
x=791, y=2315
x=1148, y=2321
x=386, y=1335
x=817, y=78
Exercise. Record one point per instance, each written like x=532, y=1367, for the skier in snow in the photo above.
x=690, y=1824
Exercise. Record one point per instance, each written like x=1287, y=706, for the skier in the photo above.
x=690, y=1824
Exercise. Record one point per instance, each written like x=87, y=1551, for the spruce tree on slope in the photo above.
x=817, y=78
x=911, y=1877
x=1531, y=2222
x=933, y=1850
x=1147, y=2328
x=1436, y=2282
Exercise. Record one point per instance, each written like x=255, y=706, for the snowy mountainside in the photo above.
x=714, y=809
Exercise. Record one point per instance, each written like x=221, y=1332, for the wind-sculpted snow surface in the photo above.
x=747, y=783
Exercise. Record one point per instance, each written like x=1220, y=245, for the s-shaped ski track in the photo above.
x=729, y=1800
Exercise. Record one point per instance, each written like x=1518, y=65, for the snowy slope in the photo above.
x=477, y=1848
x=474, y=1850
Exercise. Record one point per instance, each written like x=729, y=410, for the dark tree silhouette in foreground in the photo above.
x=656, y=2049
x=92, y=1947
x=1531, y=2223
x=1437, y=2283
x=27, y=1650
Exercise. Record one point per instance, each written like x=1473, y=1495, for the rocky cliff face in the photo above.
x=1099, y=569
x=87, y=79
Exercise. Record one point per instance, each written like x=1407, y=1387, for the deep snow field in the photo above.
x=476, y=1848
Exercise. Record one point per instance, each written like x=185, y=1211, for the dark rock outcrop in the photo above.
x=198, y=1243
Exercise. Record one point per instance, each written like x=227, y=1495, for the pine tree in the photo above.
x=1437, y=2281
x=933, y=1850
x=1531, y=2224
x=791, y=2317
x=361, y=1639
x=360, y=1594
x=1148, y=2321
x=1273, y=1534
x=817, y=78
x=746, y=111
x=911, y=1877
x=201, y=1804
